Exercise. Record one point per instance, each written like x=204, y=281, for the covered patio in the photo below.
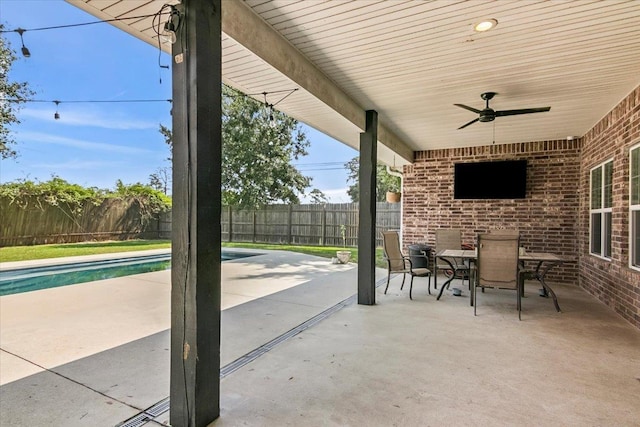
x=327, y=360
x=383, y=77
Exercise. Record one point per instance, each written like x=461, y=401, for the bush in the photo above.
x=59, y=193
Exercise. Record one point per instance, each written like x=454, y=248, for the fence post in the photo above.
x=289, y=233
x=323, y=222
x=254, y=226
x=230, y=223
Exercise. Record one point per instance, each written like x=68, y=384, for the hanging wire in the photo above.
x=269, y=107
x=494, y=131
x=56, y=27
x=288, y=91
x=25, y=51
x=169, y=25
x=87, y=101
x=156, y=16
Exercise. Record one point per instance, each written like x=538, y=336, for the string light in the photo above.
x=56, y=115
x=87, y=101
x=25, y=51
x=268, y=108
x=57, y=27
x=171, y=26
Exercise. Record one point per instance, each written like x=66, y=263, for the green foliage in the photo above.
x=258, y=145
x=161, y=179
x=343, y=233
x=72, y=197
x=318, y=197
x=384, y=181
x=24, y=253
x=17, y=92
x=55, y=192
x=257, y=153
x=149, y=200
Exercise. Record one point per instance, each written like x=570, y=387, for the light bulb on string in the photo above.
x=171, y=26
x=272, y=120
x=25, y=51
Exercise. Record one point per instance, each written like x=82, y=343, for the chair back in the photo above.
x=391, y=247
x=505, y=232
x=448, y=238
x=498, y=260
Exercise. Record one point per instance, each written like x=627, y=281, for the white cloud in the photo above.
x=77, y=143
x=100, y=119
x=335, y=195
x=78, y=165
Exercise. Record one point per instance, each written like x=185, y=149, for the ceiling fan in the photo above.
x=489, y=115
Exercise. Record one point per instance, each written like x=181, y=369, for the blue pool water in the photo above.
x=36, y=278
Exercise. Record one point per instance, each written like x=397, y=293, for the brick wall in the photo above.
x=613, y=282
x=554, y=216
x=546, y=218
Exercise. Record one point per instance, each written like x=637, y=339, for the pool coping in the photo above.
x=47, y=262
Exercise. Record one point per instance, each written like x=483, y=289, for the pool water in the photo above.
x=36, y=278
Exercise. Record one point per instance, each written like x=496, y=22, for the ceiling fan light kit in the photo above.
x=489, y=114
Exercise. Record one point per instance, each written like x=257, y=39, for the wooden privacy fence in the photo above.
x=113, y=219
x=320, y=225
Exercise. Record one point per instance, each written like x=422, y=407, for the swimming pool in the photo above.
x=36, y=278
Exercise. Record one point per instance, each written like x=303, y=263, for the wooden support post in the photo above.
x=196, y=236
x=367, y=212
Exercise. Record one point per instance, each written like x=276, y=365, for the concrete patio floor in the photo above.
x=401, y=362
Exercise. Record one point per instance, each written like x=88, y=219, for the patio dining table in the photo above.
x=545, y=262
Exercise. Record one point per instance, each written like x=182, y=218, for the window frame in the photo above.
x=632, y=209
x=604, y=212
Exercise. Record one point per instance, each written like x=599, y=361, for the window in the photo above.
x=634, y=206
x=601, y=209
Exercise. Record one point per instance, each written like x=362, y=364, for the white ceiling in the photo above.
x=412, y=60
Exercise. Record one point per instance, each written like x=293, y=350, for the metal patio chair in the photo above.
x=497, y=265
x=399, y=263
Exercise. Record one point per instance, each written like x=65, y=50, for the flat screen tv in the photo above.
x=504, y=179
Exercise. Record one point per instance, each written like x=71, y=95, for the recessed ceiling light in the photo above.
x=485, y=25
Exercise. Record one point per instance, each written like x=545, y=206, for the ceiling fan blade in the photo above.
x=521, y=111
x=470, y=123
x=467, y=108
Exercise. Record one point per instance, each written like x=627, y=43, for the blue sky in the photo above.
x=95, y=144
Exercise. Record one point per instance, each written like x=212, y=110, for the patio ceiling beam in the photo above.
x=244, y=26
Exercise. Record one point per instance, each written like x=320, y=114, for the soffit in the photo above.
x=412, y=60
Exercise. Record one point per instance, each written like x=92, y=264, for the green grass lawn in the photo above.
x=23, y=253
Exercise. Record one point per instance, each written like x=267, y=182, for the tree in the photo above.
x=13, y=95
x=318, y=197
x=166, y=133
x=258, y=145
x=161, y=179
x=384, y=181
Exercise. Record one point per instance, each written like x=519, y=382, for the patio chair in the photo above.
x=399, y=263
x=450, y=238
x=505, y=232
x=497, y=265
